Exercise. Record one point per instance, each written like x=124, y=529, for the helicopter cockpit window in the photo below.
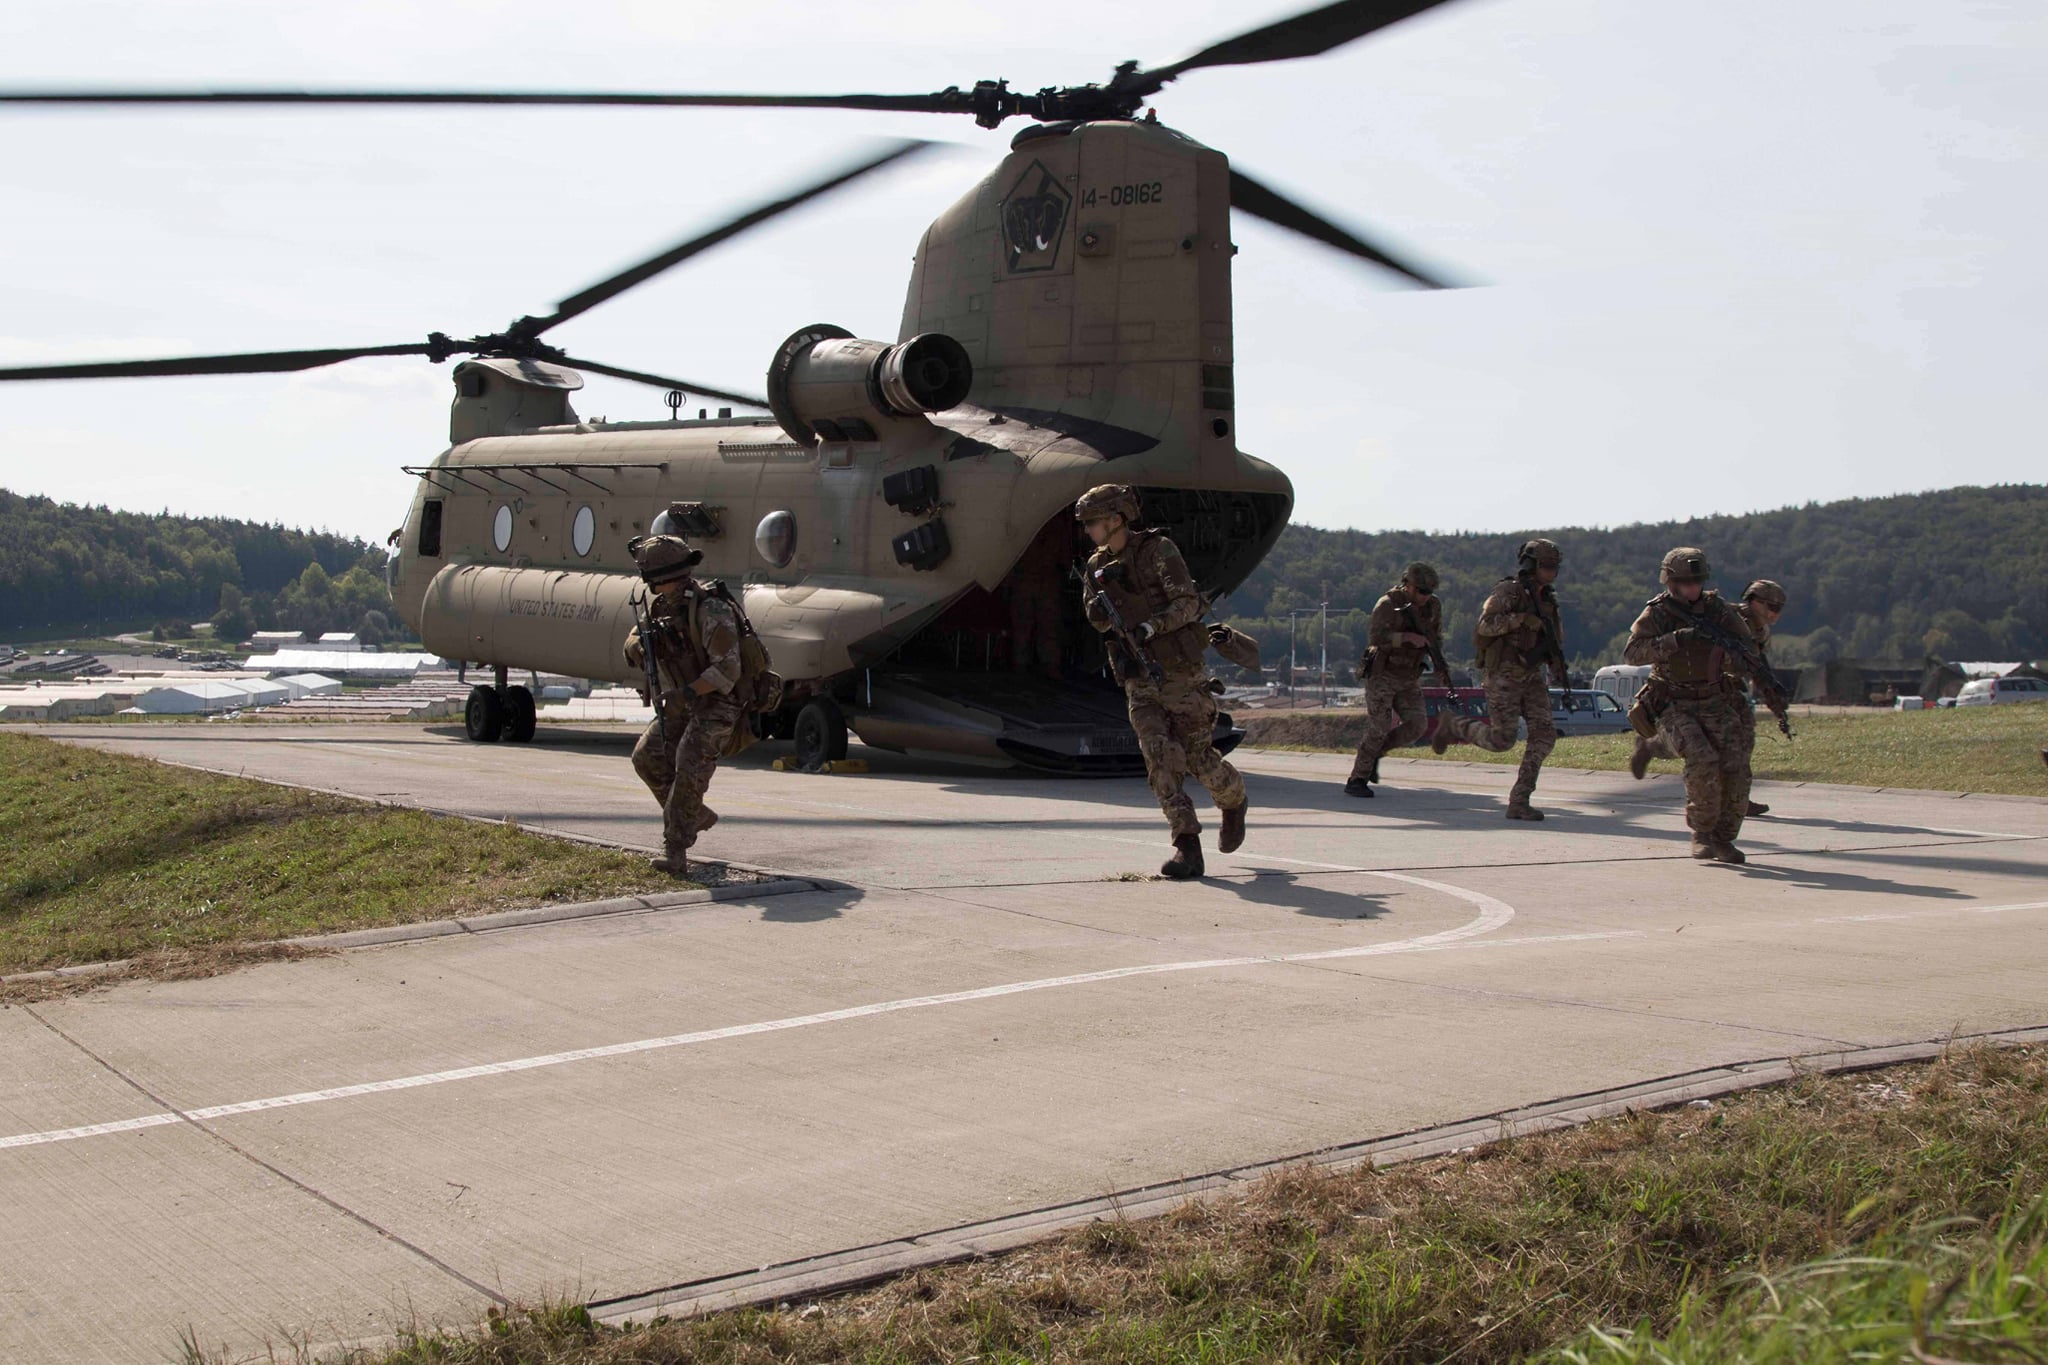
x=775, y=538
x=583, y=531
x=501, y=528
x=430, y=528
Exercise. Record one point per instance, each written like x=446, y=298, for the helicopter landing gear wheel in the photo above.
x=483, y=715
x=820, y=734
x=520, y=717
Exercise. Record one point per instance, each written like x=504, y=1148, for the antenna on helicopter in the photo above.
x=674, y=398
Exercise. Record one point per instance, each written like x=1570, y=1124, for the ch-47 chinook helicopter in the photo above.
x=904, y=505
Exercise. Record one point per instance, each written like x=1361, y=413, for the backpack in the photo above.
x=759, y=687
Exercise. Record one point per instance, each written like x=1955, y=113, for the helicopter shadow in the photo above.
x=1853, y=882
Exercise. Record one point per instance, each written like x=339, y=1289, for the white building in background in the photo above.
x=276, y=639
x=309, y=685
x=336, y=663
x=341, y=642
x=210, y=698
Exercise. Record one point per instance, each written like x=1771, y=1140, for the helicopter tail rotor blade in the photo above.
x=683, y=251
x=942, y=102
x=661, y=382
x=1276, y=208
x=254, y=362
x=1309, y=34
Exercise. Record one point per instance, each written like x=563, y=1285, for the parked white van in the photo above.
x=1998, y=691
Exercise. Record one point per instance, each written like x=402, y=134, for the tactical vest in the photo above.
x=1141, y=596
x=758, y=688
x=1401, y=660
x=1696, y=666
x=1518, y=647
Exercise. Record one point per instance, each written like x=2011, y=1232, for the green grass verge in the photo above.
x=1831, y=1219
x=112, y=857
x=1976, y=749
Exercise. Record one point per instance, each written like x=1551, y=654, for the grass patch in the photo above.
x=118, y=857
x=1829, y=1219
x=1975, y=748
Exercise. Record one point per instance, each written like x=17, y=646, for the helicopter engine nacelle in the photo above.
x=828, y=385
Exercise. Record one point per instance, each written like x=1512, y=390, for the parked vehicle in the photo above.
x=1999, y=691
x=1590, y=713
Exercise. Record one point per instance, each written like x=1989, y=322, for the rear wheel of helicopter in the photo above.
x=520, y=715
x=820, y=734
x=483, y=715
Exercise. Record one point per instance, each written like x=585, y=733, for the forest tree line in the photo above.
x=1961, y=574
x=70, y=570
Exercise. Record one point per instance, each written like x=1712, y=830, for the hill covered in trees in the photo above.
x=1961, y=574
x=67, y=569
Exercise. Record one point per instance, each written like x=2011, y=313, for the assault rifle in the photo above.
x=643, y=621
x=1125, y=635
x=1753, y=662
x=1550, y=649
x=1436, y=650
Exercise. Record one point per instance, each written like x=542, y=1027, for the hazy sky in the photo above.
x=1737, y=255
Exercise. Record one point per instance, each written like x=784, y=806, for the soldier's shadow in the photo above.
x=1290, y=891
x=1847, y=881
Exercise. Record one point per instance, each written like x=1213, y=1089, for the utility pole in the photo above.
x=1291, y=703
x=1323, y=682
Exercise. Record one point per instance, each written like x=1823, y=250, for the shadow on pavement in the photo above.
x=1287, y=891
x=1848, y=881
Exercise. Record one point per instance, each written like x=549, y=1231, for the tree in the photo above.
x=232, y=621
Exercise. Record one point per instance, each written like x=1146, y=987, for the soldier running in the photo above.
x=1520, y=637
x=1763, y=602
x=1407, y=627
x=1701, y=712
x=696, y=640
x=1138, y=592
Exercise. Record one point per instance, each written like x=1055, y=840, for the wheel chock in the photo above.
x=788, y=764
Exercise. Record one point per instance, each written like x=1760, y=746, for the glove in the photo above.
x=1146, y=630
x=1685, y=635
x=1218, y=634
x=1531, y=621
x=1116, y=571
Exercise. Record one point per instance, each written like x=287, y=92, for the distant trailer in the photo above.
x=1621, y=681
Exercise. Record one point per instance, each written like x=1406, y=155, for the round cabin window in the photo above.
x=501, y=529
x=775, y=538
x=583, y=531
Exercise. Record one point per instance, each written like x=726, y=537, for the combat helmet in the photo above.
x=1106, y=498
x=1766, y=592
x=1686, y=564
x=663, y=557
x=1538, y=554
x=1421, y=575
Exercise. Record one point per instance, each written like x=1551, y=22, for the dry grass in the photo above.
x=1975, y=749
x=112, y=857
x=1655, y=1223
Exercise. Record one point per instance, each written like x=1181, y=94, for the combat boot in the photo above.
x=675, y=864
x=1522, y=810
x=1703, y=849
x=1358, y=786
x=1756, y=808
x=1639, y=761
x=706, y=818
x=1440, y=740
x=1232, y=836
x=1186, y=862
x=1725, y=852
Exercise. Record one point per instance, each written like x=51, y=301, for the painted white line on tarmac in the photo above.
x=1492, y=915
x=1941, y=912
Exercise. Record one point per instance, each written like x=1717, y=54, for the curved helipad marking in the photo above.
x=1492, y=915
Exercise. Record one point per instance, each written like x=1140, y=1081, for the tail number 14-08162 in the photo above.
x=1148, y=192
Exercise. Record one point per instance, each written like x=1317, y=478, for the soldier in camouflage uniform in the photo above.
x=1701, y=711
x=1763, y=602
x=1406, y=625
x=697, y=655
x=1518, y=618
x=1139, y=575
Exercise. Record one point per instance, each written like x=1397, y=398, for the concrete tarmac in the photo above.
x=986, y=1020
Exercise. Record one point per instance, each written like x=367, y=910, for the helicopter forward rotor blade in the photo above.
x=1276, y=208
x=941, y=102
x=1308, y=34
x=660, y=382
x=254, y=362
x=676, y=255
